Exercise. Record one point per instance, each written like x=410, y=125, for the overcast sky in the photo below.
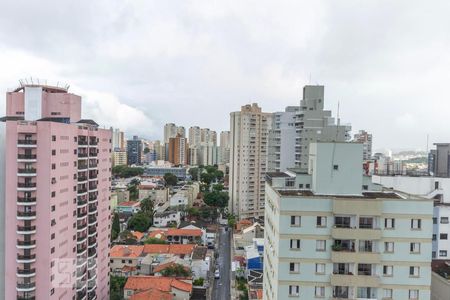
x=141, y=64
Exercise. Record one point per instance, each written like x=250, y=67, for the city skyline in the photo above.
x=396, y=82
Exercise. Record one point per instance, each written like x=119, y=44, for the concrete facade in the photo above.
x=57, y=185
x=249, y=129
x=370, y=244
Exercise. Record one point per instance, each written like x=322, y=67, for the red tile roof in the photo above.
x=184, y=232
x=137, y=234
x=169, y=249
x=126, y=251
x=161, y=267
x=128, y=203
x=164, y=284
x=152, y=294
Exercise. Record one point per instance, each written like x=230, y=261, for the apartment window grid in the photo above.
x=319, y=291
x=294, y=267
x=444, y=220
x=389, y=223
x=414, y=248
x=321, y=221
x=388, y=271
x=416, y=224
x=296, y=221
x=389, y=247
x=294, y=291
x=295, y=244
x=413, y=294
x=414, y=271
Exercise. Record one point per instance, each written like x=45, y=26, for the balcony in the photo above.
x=92, y=220
x=26, y=287
x=345, y=256
x=26, y=229
x=82, y=178
x=26, y=272
x=26, y=143
x=355, y=280
x=22, y=244
x=83, y=155
x=93, y=165
x=81, y=215
x=82, y=167
x=26, y=157
x=82, y=142
x=26, y=200
x=26, y=215
x=82, y=201
x=81, y=249
x=82, y=191
x=92, y=231
x=92, y=209
x=26, y=186
x=26, y=172
x=81, y=227
x=26, y=259
x=356, y=233
x=93, y=154
x=93, y=142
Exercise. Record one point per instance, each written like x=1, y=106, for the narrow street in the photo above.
x=222, y=285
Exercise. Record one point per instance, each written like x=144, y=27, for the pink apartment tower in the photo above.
x=55, y=193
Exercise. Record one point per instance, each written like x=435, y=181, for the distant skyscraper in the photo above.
x=118, y=139
x=194, y=136
x=134, y=151
x=208, y=136
x=313, y=123
x=439, y=160
x=160, y=150
x=181, y=131
x=178, y=150
x=224, y=148
x=282, y=139
x=249, y=129
x=366, y=139
x=170, y=131
x=56, y=194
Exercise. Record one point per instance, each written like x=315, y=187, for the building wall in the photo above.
x=2, y=207
x=249, y=130
x=440, y=287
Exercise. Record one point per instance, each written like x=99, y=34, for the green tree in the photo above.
x=193, y=172
x=207, y=178
x=216, y=198
x=139, y=222
x=176, y=270
x=133, y=188
x=116, y=285
x=127, y=172
x=115, y=229
x=146, y=150
x=147, y=206
x=199, y=281
x=153, y=240
x=231, y=221
x=170, y=179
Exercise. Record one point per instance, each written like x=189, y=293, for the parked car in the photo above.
x=217, y=274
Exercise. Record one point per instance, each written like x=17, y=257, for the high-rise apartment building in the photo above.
x=313, y=123
x=160, y=150
x=208, y=136
x=178, y=149
x=170, y=131
x=181, y=131
x=364, y=138
x=439, y=160
x=194, y=136
x=119, y=158
x=118, y=139
x=56, y=193
x=224, y=148
x=332, y=234
x=134, y=151
x=249, y=129
x=282, y=137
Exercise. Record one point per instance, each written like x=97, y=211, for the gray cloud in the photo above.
x=193, y=62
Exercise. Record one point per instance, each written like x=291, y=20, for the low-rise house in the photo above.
x=185, y=236
x=201, y=262
x=440, y=279
x=156, y=193
x=129, y=207
x=179, y=200
x=167, y=218
x=145, y=286
x=139, y=236
x=124, y=259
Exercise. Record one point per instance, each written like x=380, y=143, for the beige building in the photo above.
x=159, y=195
x=119, y=158
x=249, y=130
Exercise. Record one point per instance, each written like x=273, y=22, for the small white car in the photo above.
x=217, y=274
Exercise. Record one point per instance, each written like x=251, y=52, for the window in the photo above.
x=321, y=221
x=413, y=294
x=434, y=237
x=53, y=222
x=52, y=291
x=53, y=152
x=443, y=253
x=53, y=138
x=294, y=267
x=335, y=167
x=319, y=291
x=388, y=270
x=53, y=208
x=52, y=250
x=364, y=269
x=389, y=223
x=53, y=194
x=320, y=245
x=308, y=186
x=414, y=271
x=53, y=166
x=52, y=237
x=123, y=261
x=320, y=268
x=294, y=291
x=416, y=223
x=443, y=236
x=295, y=221
x=414, y=247
x=389, y=247
x=365, y=187
x=433, y=254
x=387, y=293
x=300, y=185
x=295, y=244
x=434, y=220
x=444, y=220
